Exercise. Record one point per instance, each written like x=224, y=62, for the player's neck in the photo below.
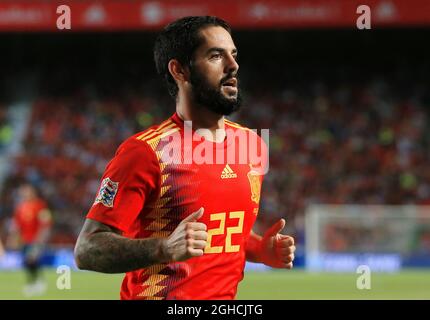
x=202, y=118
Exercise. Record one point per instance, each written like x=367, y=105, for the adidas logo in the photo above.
x=227, y=173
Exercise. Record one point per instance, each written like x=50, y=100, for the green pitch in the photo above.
x=286, y=285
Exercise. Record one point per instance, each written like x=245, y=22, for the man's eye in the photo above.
x=216, y=56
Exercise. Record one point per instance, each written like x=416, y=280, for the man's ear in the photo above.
x=178, y=72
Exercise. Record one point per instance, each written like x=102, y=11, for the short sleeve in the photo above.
x=128, y=182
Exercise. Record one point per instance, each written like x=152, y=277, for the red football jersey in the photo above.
x=30, y=216
x=158, y=177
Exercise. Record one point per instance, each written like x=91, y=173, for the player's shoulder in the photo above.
x=237, y=127
x=148, y=137
x=157, y=132
x=234, y=125
x=240, y=128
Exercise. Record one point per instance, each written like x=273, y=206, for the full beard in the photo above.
x=212, y=98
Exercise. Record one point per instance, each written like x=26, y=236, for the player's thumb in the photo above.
x=276, y=228
x=194, y=216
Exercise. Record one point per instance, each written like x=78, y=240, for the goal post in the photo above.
x=385, y=238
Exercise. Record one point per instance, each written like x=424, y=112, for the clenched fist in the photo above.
x=187, y=240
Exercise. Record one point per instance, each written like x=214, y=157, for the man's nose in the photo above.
x=232, y=66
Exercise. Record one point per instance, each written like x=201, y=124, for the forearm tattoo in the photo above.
x=112, y=253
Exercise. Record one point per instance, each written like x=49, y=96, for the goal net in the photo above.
x=384, y=238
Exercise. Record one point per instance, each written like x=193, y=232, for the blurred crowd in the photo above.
x=5, y=128
x=68, y=143
x=345, y=126
x=344, y=144
x=337, y=143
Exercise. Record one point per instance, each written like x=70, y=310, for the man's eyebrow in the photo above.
x=217, y=49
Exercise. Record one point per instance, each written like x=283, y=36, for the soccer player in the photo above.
x=31, y=227
x=181, y=228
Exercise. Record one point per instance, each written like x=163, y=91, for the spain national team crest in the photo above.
x=107, y=192
x=255, y=184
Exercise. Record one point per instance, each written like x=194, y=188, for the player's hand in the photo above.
x=277, y=250
x=187, y=240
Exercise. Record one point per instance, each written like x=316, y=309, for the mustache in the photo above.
x=229, y=77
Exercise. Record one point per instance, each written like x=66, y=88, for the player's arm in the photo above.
x=133, y=175
x=253, y=247
x=273, y=249
x=102, y=248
